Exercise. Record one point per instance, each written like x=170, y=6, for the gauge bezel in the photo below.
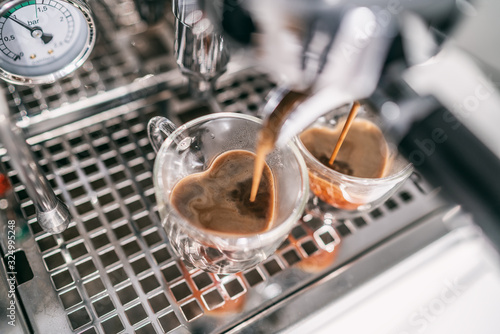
x=69, y=68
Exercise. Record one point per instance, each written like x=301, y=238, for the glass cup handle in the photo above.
x=159, y=128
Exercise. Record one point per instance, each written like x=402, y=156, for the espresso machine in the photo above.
x=83, y=247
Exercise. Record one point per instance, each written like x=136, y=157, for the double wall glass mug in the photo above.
x=337, y=194
x=191, y=148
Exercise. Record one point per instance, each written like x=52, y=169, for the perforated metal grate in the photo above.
x=112, y=268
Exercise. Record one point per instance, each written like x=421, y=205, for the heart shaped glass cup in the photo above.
x=339, y=195
x=192, y=148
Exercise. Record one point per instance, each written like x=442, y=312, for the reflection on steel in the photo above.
x=201, y=53
x=53, y=216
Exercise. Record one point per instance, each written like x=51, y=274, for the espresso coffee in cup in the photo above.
x=364, y=154
x=202, y=176
x=366, y=170
x=218, y=199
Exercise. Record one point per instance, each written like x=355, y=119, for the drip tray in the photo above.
x=112, y=270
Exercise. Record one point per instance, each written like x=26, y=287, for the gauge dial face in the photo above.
x=41, y=37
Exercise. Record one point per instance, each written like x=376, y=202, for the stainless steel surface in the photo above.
x=10, y=302
x=112, y=270
x=329, y=288
x=5, y=288
x=446, y=287
x=52, y=214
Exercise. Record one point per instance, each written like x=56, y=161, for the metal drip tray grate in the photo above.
x=112, y=270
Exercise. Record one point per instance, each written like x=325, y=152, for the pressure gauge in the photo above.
x=44, y=40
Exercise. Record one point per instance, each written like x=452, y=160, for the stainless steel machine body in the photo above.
x=111, y=270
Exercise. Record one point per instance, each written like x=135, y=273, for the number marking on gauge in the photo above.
x=37, y=24
x=42, y=40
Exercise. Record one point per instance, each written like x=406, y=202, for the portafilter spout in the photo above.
x=201, y=53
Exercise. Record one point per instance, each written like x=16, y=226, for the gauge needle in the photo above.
x=36, y=32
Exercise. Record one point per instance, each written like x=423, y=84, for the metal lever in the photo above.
x=53, y=216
